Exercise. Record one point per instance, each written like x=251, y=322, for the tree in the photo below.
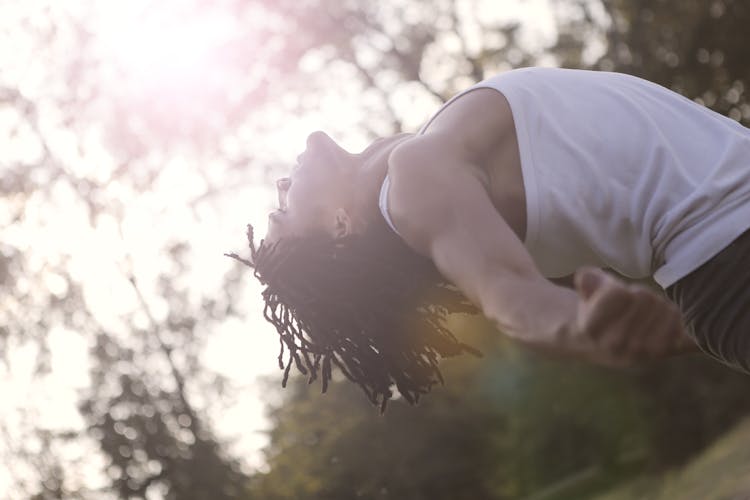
x=696, y=48
x=104, y=195
x=640, y=38
x=102, y=148
x=503, y=426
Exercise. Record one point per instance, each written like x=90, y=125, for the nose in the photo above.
x=316, y=138
x=319, y=143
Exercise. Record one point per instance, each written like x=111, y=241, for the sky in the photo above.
x=154, y=66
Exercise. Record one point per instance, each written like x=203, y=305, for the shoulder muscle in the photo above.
x=444, y=212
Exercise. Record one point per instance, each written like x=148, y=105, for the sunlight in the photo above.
x=158, y=46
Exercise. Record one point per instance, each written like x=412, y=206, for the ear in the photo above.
x=342, y=224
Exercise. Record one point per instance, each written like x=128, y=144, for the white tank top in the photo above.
x=622, y=173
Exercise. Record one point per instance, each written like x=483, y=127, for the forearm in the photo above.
x=618, y=325
x=534, y=312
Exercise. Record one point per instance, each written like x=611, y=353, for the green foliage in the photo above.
x=152, y=437
x=501, y=426
x=697, y=48
x=719, y=473
x=337, y=446
x=509, y=425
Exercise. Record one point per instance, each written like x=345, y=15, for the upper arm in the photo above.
x=444, y=212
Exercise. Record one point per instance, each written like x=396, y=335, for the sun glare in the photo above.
x=158, y=45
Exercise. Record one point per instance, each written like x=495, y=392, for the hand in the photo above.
x=625, y=322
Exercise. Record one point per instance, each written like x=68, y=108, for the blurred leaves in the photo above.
x=697, y=48
x=151, y=434
x=510, y=425
x=114, y=176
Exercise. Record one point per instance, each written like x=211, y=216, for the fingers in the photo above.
x=604, y=303
x=651, y=332
x=587, y=280
x=625, y=322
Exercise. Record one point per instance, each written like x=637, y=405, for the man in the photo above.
x=534, y=174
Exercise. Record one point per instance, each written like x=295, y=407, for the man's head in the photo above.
x=325, y=191
x=342, y=289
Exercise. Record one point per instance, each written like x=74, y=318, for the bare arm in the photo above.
x=444, y=212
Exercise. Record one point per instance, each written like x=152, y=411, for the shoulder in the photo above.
x=442, y=210
x=423, y=161
x=429, y=178
x=420, y=150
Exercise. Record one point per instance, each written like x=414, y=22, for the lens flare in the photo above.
x=159, y=47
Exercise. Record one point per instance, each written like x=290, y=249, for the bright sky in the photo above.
x=168, y=51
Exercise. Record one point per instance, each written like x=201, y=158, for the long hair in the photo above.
x=366, y=304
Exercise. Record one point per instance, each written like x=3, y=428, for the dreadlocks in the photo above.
x=366, y=304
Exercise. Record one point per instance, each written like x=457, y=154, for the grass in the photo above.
x=721, y=472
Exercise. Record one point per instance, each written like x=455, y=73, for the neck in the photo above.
x=369, y=179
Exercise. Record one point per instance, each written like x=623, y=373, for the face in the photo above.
x=313, y=189
x=319, y=187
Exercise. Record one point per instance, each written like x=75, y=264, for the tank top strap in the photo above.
x=383, y=203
